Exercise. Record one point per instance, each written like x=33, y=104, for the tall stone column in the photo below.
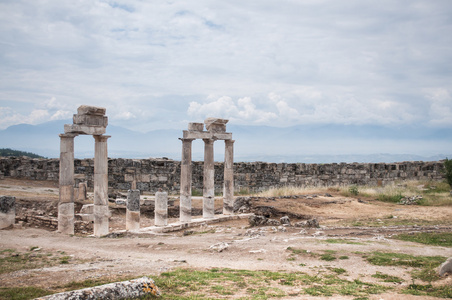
x=133, y=210
x=66, y=202
x=185, y=182
x=208, y=207
x=228, y=189
x=101, y=212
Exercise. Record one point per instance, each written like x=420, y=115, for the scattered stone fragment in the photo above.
x=414, y=200
x=219, y=247
x=285, y=220
x=256, y=220
x=272, y=222
x=257, y=251
x=312, y=223
x=446, y=267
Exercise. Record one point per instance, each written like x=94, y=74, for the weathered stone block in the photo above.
x=91, y=110
x=195, y=126
x=90, y=120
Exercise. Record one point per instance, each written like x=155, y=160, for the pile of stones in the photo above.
x=413, y=200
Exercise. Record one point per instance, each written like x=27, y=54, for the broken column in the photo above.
x=161, y=209
x=228, y=188
x=7, y=211
x=208, y=207
x=66, y=178
x=185, y=182
x=133, y=210
x=101, y=212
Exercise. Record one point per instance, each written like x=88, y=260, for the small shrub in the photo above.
x=448, y=171
x=353, y=190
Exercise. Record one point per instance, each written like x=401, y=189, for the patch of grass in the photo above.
x=218, y=283
x=387, y=278
x=196, y=193
x=339, y=271
x=429, y=290
x=343, y=241
x=343, y=257
x=327, y=257
x=429, y=238
x=390, y=198
x=401, y=259
x=425, y=266
x=23, y=293
x=12, y=260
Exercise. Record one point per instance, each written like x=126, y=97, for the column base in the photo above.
x=66, y=218
x=132, y=220
x=101, y=215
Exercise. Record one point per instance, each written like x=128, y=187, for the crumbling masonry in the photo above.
x=216, y=130
x=89, y=120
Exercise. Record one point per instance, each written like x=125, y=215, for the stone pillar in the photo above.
x=185, y=182
x=133, y=210
x=66, y=202
x=7, y=211
x=161, y=209
x=82, y=191
x=208, y=207
x=228, y=188
x=101, y=212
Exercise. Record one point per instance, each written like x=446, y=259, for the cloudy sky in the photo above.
x=161, y=64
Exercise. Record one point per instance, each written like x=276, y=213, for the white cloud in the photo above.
x=279, y=63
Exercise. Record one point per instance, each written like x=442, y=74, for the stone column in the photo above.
x=66, y=177
x=101, y=212
x=161, y=209
x=133, y=210
x=228, y=189
x=185, y=182
x=208, y=207
x=7, y=211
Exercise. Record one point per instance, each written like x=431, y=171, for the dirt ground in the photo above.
x=256, y=248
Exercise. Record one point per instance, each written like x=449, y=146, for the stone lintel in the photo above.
x=207, y=135
x=90, y=120
x=91, y=110
x=82, y=129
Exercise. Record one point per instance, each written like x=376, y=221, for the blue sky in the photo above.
x=162, y=64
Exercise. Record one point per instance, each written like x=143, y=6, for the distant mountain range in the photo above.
x=302, y=143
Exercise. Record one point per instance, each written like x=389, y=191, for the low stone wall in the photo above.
x=151, y=174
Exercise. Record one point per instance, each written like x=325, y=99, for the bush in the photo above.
x=448, y=171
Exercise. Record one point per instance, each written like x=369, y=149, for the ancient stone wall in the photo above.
x=152, y=174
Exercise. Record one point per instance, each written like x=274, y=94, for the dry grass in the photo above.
x=433, y=193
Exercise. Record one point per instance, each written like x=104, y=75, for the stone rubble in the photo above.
x=413, y=200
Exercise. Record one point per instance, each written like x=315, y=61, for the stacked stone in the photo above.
x=89, y=120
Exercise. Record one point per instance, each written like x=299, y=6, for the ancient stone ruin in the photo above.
x=89, y=120
x=215, y=130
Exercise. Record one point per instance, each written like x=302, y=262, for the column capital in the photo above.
x=101, y=138
x=208, y=141
x=186, y=140
x=68, y=135
x=229, y=141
